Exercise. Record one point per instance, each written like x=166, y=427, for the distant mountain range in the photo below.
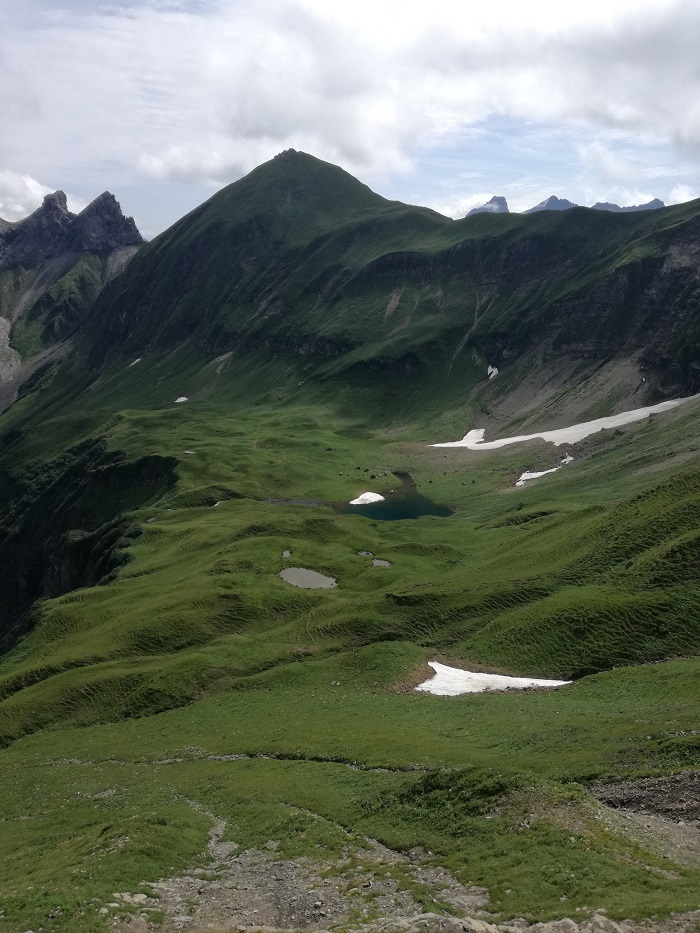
x=652, y=205
x=499, y=205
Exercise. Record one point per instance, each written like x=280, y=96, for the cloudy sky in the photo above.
x=443, y=103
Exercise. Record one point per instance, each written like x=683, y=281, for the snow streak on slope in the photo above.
x=474, y=440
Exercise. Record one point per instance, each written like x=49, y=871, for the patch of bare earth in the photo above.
x=376, y=890
x=662, y=814
x=254, y=891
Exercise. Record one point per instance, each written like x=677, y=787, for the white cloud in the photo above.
x=19, y=195
x=22, y=194
x=604, y=162
x=626, y=197
x=682, y=193
x=203, y=91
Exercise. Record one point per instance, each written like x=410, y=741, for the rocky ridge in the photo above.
x=652, y=205
x=552, y=203
x=497, y=205
x=53, y=231
x=42, y=251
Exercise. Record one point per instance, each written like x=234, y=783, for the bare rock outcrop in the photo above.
x=53, y=231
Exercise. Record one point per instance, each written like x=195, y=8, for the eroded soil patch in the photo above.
x=676, y=797
x=253, y=890
x=662, y=814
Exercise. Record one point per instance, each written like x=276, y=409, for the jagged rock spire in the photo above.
x=52, y=231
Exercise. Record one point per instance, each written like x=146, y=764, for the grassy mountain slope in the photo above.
x=299, y=258
x=167, y=678
x=198, y=649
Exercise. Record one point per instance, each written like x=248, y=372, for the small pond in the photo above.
x=307, y=579
x=405, y=502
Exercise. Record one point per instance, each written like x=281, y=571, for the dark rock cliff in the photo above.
x=53, y=231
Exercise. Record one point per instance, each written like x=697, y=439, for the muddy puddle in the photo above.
x=307, y=579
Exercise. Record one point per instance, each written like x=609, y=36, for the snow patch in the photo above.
x=526, y=476
x=453, y=681
x=182, y=398
x=474, y=440
x=366, y=498
x=137, y=360
x=492, y=371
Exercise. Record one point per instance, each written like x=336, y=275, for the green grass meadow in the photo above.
x=124, y=707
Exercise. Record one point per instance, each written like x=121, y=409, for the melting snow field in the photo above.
x=526, y=477
x=366, y=498
x=452, y=682
x=474, y=440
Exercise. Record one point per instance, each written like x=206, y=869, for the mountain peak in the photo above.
x=293, y=192
x=102, y=226
x=52, y=231
x=56, y=201
x=497, y=205
x=552, y=203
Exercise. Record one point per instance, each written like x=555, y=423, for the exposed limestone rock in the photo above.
x=35, y=254
x=53, y=231
x=9, y=359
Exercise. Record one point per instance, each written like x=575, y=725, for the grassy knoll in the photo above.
x=124, y=707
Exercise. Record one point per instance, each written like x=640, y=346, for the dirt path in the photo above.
x=373, y=889
x=253, y=890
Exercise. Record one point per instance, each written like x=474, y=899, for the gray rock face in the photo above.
x=497, y=205
x=52, y=231
x=552, y=203
x=652, y=205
